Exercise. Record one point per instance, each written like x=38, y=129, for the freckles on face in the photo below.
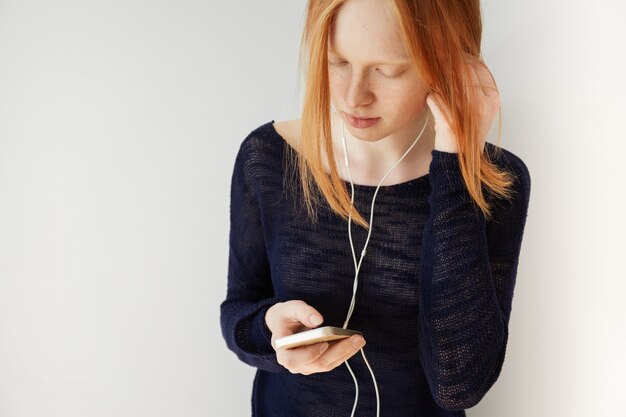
x=413, y=97
x=404, y=85
x=369, y=67
x=408, y=91
x=405, y=97
x=400, y=104
x=371, y=74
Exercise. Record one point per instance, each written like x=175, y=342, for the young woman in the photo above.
x=397, y=108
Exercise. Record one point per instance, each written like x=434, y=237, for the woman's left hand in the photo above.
x=483, y=94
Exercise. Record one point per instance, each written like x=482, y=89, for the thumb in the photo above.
x=299, y=311
x=433, y=102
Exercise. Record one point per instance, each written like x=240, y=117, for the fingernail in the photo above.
x=358, y=342
x=323, y=347
x=315, y=319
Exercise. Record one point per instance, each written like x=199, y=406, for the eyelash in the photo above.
x=384, y=75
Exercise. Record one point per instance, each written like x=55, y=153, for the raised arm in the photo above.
x=466, y=281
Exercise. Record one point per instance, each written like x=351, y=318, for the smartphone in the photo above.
x=308, y=337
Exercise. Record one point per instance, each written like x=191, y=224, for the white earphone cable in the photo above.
x=357, y=266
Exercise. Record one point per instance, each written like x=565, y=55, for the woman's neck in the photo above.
x=369, y=161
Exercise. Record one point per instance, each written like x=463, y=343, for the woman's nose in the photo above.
x=358, y=93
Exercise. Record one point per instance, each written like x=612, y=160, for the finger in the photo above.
x=299, y=311
x=482, y=76
x=288, y=329
x=489, y=100
x=338, y=353
x=332, y=365
x=475, y=82
x=441, y=119
x=473, y=89
x=301, y=355
x=487, y=81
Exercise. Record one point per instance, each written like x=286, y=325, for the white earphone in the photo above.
x=357, y=266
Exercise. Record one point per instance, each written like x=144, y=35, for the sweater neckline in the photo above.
x=409, y=184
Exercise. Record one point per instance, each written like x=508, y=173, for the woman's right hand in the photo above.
x=293, y=316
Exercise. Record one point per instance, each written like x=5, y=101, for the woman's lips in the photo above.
x=361, y=122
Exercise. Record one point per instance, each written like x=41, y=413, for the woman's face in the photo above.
x=371, y=74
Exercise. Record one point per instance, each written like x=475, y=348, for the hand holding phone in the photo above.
x=308, y=337
x=304, y=349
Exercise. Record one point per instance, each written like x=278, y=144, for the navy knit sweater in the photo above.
x=434, y=296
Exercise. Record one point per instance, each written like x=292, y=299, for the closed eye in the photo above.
x=377, y=69
x=393, y=75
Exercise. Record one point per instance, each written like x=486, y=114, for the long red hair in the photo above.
x=438, y=34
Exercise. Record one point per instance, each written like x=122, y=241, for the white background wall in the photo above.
x=119, y=124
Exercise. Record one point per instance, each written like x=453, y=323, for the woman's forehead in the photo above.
x=365, y=31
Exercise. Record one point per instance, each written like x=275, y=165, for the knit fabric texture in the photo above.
x=434, y=295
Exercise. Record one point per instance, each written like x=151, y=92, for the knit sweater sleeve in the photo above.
x=466, y=281
x=249, y=290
